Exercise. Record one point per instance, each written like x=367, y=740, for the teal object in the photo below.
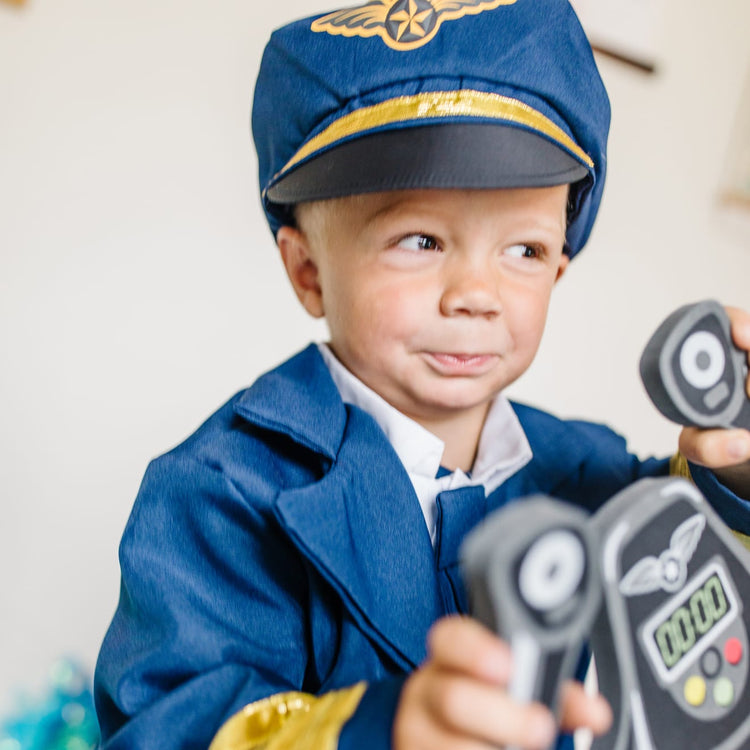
x=62, y=719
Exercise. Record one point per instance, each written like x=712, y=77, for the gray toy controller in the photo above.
x=532, y=578
x=671, y=642
x=693, y=372
x=656, y=581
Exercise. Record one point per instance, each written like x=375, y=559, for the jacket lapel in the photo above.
x=361, y=525
x=362, y=528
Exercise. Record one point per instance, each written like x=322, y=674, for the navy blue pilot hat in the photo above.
x=413, y=94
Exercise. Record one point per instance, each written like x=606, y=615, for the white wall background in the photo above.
x=139, y=287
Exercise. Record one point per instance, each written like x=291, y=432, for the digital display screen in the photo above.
x=692, y=620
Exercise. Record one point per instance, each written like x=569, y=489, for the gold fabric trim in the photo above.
x=744, y=538
x=679, y=467
x=432, y=105
x=257, y=722
x=290, y=721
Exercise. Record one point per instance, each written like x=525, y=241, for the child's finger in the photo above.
x=740, y=322
x=462, y=644
x=715, y=448
x=487, y=714
x=579, y=709
x=429, y=736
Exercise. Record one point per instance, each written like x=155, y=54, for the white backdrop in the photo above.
x=139, y=287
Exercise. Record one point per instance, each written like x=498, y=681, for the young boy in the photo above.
x=290, y=573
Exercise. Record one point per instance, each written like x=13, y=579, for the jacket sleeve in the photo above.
x=210, y=617
x=209, y=643
x=610, y=467
x=607, y=466
x=733, y=510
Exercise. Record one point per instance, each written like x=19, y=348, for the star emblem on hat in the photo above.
x=401, y=24
x=414, y=18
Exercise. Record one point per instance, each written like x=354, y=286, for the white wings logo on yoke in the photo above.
x=402, y=24
x=669, y=570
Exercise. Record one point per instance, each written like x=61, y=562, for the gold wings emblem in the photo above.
x=401, y=24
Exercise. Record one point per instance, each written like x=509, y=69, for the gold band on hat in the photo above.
x=432, y=106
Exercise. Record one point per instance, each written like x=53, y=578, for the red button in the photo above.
x=733, y=650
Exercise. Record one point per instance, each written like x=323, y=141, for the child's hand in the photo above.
x=727, y=452
x=458, y=700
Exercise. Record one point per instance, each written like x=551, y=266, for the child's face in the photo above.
x=435, y=299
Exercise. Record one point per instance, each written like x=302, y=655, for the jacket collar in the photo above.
x=298, y=399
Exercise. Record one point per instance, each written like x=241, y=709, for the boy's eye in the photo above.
x=418, y=242
x=523, y=251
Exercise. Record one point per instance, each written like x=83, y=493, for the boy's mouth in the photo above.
x=449, y=363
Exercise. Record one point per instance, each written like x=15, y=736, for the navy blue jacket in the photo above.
x=282, y=547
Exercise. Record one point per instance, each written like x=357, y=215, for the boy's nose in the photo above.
x=472, y=292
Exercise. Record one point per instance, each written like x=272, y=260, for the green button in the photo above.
x=723, y=692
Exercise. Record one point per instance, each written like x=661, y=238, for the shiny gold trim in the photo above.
x=369, y=20
x=744, y=539
x=290, y=721
x=257, y=722
x=434, y=105
x=679, y=467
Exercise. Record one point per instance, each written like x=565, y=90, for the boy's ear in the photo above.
x=301, y=269
x=564, y=260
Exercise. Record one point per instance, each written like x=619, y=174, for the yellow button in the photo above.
x=695, y=690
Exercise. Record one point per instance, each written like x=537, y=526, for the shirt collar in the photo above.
x=503, y=446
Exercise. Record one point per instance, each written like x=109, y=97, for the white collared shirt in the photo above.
x=503, y=446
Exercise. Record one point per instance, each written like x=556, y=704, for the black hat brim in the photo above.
x=447, y=156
